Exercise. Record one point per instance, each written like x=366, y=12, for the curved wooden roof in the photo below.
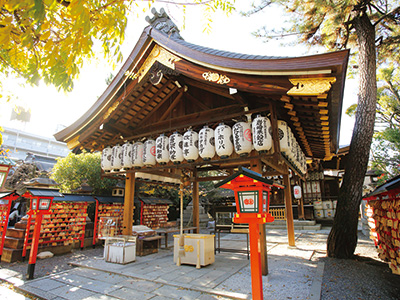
x=168, y=84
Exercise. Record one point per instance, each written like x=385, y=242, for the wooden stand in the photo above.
x=148, y=245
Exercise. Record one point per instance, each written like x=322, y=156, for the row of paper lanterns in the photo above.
x=242, y=138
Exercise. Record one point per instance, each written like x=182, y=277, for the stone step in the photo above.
x=21, y=225
x=296, y=222
x=13, y=243
x=15, y=233
x=311, y=228
x=11, y=255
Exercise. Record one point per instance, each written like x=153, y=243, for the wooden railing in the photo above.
x=278, y=213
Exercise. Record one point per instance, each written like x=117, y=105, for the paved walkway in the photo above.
x=293, y=274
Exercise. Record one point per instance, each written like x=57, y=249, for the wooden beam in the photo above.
x=128, y=204
x=172, y=106
x=274, y=127
x=155, y=172
x=195, y=119
x=154, y=109
x=274, y=163
x=218, y=90
x=210, y=178
x=197, y=102
x=239, y=98
x=135, y=100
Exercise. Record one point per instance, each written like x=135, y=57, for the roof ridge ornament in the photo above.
x=162, y=22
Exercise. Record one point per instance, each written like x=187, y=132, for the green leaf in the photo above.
x=39, y=11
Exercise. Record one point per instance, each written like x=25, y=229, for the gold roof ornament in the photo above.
x=310, y=86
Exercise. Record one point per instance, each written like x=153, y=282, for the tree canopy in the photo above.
x=52, y=39
x=72, y=170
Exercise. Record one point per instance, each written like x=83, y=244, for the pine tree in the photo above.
x=369, y=28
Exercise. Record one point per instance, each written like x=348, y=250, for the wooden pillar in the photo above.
x=274, y=129
x=128, y=204
x=301, y=205
x=289, y=209
x=300, y=202
x=257, y=167
x=196, y=203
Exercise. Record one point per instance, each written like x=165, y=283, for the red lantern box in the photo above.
x=251, y=196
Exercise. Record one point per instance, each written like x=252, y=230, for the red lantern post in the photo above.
x=39, y=207
x=252, y=205
x=41, y=200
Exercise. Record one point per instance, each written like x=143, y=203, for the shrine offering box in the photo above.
x=120, y=249
x=199, y=249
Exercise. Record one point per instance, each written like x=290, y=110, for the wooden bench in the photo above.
x=166, y=231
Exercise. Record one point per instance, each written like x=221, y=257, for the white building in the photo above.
x=30, y=147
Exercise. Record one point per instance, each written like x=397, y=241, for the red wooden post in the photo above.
x=35, y=244
x=96, y=223
x=5, y=215
x=83, y=219
x=255, y=262
x=27, y=233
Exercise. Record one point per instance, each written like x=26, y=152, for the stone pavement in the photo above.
x=293, y=274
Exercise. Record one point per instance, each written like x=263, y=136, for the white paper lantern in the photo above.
x=304, y=164
x=137, y=155
x=106, y=159
x=298, y=156
x=116, y=158
x=126, y=155
x=162, y=153
x=293, y=147
x=176, y=148
x=262, y=139
x=190, y=145
x=297, y=192
x=284, y=137
x=149, y=153
x=242, y=138
x=223, y=140
x=206, y=143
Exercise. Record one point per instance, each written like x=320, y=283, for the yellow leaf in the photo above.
x=45, y=26
x=45, y=35
x=5, y=36
x=49, y=45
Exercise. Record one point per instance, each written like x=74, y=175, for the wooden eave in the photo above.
x=133, y=108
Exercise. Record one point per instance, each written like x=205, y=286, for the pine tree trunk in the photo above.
x=342, y=239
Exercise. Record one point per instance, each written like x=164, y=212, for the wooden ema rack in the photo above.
x=62, y=227
x=112, y=210
x=384, y=220
x=154, y=216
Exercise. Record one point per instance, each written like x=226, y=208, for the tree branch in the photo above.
x=64, y=3
x=256, y=9
x=388, y=15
